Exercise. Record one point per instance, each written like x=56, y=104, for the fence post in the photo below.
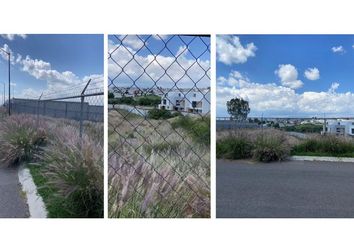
x=38, y=101
x=66, y=109
x=82, y=107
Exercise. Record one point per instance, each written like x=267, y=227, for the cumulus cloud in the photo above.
x=150, y=70
x=288, y=76
x=338, y=49
x=312, y=74
x=276, y=100
x=334, y=87
x=229, y=50
x=43, y=70
x=11, y=37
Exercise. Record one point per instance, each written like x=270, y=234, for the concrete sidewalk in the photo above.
x=12, y=202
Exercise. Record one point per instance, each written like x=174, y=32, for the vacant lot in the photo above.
x=158, y=168
x=285, y=189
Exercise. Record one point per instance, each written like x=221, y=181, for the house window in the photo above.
x=194, y=104
x=164, y=101
x=177, y=102
x=194, y=94
x=179, y=94
x=352, y=130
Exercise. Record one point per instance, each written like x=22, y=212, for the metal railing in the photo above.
x=159, y=126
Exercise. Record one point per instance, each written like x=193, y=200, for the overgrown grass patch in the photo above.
x=55, y=204
x=234, y=148
x=67, y=169
x=263, y=146
x=325, y=146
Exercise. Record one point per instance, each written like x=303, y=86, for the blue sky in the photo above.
x=287, y=75
x=50, y=62
x=165, y=48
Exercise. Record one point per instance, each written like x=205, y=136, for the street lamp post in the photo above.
x=3, y=96
x=9, y=59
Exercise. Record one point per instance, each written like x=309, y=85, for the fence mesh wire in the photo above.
x=159, y=125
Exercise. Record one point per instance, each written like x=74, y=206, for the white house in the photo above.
x=188, y=102
x=340, y=127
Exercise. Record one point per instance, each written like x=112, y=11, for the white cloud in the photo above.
x=312, y=74
x=165, y=71
x=275, y=100
x=13, y=36
x=353, y=46
x=132, y=41
x=29, y=93
x=338, y=49
x=5, y=56
x=334, y=87
x=42, y=70
x=161, y=36
x=288, y=76
x=229, y=50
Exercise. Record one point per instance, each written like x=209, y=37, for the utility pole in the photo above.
x=9, y=62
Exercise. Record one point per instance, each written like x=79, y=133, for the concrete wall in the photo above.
x=228, y=124
x=58, y=109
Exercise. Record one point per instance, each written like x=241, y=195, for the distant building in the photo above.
x=340, y=127
x=190, y=102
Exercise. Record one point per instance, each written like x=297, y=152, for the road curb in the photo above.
x=322, y=159
x=35, y=202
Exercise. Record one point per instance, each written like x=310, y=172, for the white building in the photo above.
x=188, y=102
x=340, y=127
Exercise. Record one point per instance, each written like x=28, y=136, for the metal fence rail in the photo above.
x=82, y=102
x=159, y=154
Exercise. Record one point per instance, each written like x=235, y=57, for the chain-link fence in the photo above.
x=81, y=103
x=159, y=125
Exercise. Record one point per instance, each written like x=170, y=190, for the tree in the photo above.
x=110, y=95
x=238, y=108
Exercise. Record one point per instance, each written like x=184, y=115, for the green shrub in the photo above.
x=325, y=146
x=198, y=128
x=270, y=147
x=159, y=114
x=20, y=139
x=233, y=147
x=74, y=167
x=150, y=100
x=122, y=100
x=305, y=128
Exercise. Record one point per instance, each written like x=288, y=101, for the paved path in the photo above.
x=287, y=189
x=12, y=203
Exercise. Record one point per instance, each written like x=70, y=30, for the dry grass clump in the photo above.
x=155, y=171
x=271, y=147
x=74, y=166
x=20, y=138
x=264, y=145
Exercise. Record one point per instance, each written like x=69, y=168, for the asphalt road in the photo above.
x=12, y=203
x=294, y=189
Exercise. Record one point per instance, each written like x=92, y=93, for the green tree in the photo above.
x=110, y=95
x=238, y=108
